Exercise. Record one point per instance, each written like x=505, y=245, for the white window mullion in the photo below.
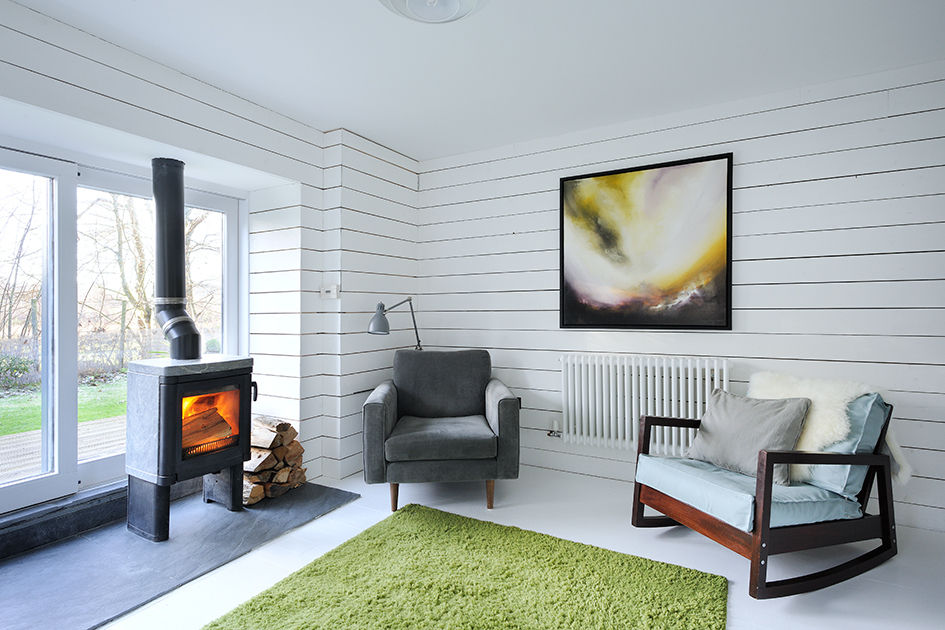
x=64, y=347
x=235, y=279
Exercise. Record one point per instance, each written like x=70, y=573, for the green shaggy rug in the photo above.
x=423, y=568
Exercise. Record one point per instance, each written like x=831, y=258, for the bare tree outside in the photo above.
x=24, y=215
x=116, y=279
x=115, y=272
x=24, y=211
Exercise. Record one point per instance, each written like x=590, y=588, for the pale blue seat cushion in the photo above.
x=867, y=415
x=730, y=496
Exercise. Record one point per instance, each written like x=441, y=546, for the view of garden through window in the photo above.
x=115, y=279
x=24, y=214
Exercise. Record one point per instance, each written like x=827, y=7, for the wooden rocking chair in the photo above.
x=764, y=541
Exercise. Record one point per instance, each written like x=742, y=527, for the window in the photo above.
x=37, y=443
x=115, y=276
x=25, y=201
x=97, y=238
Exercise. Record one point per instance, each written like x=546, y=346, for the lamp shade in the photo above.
x=379, y=324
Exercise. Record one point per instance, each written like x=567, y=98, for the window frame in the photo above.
x=60, y=311
x=59, y=394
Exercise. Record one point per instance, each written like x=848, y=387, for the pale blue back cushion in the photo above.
x=730, y=496
x=867, y=414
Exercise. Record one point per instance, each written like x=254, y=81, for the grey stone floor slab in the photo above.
x=88, y=580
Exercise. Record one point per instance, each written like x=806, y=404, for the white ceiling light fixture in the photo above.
x=432, y=11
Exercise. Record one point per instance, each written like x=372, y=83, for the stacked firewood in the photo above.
x=275, y=463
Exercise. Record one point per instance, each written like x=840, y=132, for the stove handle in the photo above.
x=255, y=390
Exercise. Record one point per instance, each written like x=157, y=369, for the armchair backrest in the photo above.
x=433, y=384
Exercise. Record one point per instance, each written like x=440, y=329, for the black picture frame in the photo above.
x=708, y=306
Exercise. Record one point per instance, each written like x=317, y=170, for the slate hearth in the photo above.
x=104, y=573
x=57, y=520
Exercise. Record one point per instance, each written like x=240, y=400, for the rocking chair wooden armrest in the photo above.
x=648, y=422
x=817, y=457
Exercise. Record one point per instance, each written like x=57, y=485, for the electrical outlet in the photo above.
x=329, y=293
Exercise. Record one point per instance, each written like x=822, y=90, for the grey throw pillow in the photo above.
x=734, y=429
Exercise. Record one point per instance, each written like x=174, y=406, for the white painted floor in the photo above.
x=907, y=592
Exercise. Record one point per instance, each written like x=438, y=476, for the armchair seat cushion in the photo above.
x=461, y=437
x=730, y=496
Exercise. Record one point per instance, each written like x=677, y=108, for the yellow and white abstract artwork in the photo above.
x=648, y=247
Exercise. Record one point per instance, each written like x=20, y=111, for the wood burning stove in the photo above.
x=187, y=416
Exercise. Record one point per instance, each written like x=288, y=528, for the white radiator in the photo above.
x=604, y=395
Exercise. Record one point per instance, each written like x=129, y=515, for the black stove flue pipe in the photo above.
x=167, y=177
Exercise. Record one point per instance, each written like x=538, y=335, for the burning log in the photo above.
x=275, y=466
x=204, y=427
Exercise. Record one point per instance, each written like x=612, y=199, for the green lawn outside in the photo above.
x=21, y=412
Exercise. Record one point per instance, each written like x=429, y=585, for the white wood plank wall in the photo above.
x=371, y=195
x=55, y=66
x=838, y=246
x=287, y=322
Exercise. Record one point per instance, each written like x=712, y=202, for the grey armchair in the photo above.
x=442, y=418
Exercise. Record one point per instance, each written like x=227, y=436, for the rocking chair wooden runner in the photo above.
x=764, y=541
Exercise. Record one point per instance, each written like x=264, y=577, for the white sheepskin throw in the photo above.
x=901, y=469
x=826, y=420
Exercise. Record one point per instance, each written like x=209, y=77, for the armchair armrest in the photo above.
x=648, y=422
x=502, y=413
x=379, y=414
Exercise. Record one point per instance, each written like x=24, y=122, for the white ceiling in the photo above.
x=515, y=69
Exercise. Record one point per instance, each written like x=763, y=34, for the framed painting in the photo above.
x=648, y=247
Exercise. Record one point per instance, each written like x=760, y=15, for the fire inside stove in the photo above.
x=210, y=422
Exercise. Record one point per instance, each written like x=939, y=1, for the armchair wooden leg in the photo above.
x=490, y=493
x=394, y=487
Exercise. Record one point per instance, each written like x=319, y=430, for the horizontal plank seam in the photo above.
x=166, y=88
x=706, y=121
